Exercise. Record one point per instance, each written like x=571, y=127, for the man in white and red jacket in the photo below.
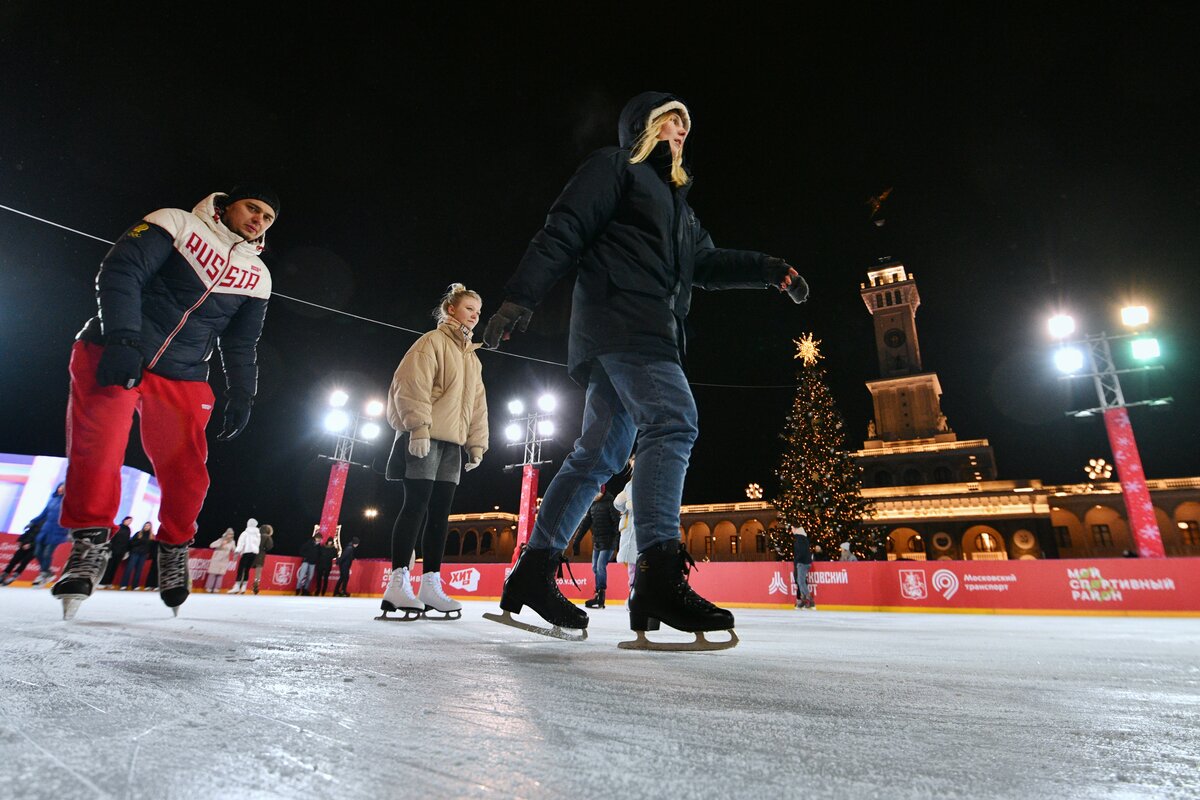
x=175, y=286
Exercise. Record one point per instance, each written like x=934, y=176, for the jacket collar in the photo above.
x=459, y=335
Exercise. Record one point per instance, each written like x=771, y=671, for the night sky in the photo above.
x=1036, y=161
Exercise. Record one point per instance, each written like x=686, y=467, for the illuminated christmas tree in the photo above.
x=820, y=484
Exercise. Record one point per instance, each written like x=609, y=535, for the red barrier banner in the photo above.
x=1128, y=586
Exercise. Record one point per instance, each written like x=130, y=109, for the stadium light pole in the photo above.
x=529, y=430
x=1095, y=352
x=349, y=428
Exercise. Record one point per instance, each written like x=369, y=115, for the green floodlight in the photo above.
x=1144, y=348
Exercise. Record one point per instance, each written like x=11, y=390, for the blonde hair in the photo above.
x=455, y=292
x=649, y=139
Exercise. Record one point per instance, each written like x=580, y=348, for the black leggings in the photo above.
x=245, y=563
x=19, y=561
x=426, y=510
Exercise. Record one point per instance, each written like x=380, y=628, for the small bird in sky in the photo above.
x=876, y=203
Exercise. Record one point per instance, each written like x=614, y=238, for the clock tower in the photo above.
x=907, y=400
x=910, y=441
x=891, y=297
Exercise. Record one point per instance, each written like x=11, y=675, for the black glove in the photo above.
x=120, y=363
x=237, y=414
x=501, y=325
x=776, y=270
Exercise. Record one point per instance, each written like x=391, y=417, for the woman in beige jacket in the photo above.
x=218, y=564
x=437, y=406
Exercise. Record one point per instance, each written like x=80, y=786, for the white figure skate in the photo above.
x=399, y=597
x=434, y=597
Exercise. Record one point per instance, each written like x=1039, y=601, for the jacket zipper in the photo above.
x=183, y=320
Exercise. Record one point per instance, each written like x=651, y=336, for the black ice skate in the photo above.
x=532, y=583
x=174, y=579
x=597, y=601
x=661, y=593
x=85, y=565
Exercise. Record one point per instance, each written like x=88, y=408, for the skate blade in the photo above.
x=71, y=604
x=445, y=615
x=701, y=644
x=555, y=632
x=410, y=615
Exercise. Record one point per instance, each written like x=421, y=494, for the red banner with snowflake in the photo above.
x=1142, y=521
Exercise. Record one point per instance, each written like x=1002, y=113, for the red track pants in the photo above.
x=172, y=414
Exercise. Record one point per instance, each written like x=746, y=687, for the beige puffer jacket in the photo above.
x=437, y=390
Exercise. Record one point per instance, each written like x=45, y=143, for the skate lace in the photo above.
x=86, y=561
x=684, y=587
x=562, y=561
x=439, y=591
x=405, y=585
x=172, y=566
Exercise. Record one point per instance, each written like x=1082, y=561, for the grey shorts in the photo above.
x=444, y=462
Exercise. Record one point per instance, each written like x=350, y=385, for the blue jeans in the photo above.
x=133, y=569
x=600, y=568
x=304, y=575
x=627, y=397
x=43, y=551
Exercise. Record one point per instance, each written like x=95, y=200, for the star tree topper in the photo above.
x=806, y=349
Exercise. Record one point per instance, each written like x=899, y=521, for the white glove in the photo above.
x=418, y=447
x=470, y=465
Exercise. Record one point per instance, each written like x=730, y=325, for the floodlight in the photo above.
x=338, y=398
x=1134, y=316
x=370, y=430
x=1144, y=349
x=375, y=408
x=513, y=432
x=1062, y=326
x=1068, y=359
x=516, y=407
x=545, y=427
x=336, y=420
x=547, y=402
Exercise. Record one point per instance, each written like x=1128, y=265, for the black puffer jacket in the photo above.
x=182, y=284
x=801, y=551
x=639, y=250
x=604, y=521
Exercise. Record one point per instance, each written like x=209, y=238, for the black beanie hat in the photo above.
x=254, y=191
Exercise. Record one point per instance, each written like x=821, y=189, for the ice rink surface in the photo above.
x=288, y=697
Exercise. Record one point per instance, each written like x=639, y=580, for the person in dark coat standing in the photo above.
x=118, y=546
x=139, y=550
x=603, y=519
x=309, y=551
x=802, y=560
x=623, y=226
x=344, y=562
x=326, y=553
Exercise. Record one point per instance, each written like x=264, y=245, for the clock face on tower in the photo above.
x=894, y=337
